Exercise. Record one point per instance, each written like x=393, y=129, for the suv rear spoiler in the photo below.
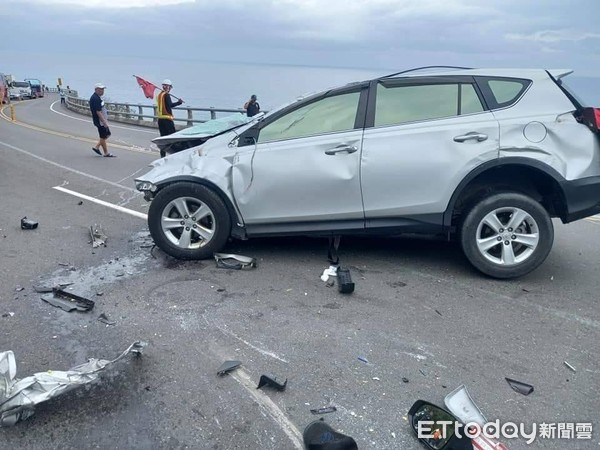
x=557, y=74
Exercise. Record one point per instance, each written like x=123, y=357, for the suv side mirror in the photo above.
x=435, y=427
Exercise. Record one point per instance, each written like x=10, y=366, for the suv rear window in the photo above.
x=502, y=92
x=412, y=103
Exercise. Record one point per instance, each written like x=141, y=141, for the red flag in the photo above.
x=146, y=86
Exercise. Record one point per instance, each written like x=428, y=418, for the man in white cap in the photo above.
x=100, y=118
x=165, y=107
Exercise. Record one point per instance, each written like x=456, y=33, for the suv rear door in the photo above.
x=422, y=136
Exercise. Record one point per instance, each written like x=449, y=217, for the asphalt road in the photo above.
x=419, y=312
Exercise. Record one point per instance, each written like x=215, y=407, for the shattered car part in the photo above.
x=520, y=387
x=104, y=319
x=325, y=410
x=19, y=397
x=228, y=366
x=460, y=403
x=320, y=436
x=99, y=238
x=271, y=381
x=236, y=262
x=27, y=224
x=68, y=301
x=331, y=271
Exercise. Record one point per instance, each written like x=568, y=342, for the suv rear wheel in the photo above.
x=189, y=221
x=507, y=235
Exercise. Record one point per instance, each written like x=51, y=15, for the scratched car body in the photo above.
x=486, y=157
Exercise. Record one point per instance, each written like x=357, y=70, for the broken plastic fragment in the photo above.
x=320, y=436
x=570, y=366
x=19, y=397
x=68, y=301
x=460, y=403
x=98, y=236
x=520, y=387
x=27, y=224
x=231, y=261
x=104, y=319
x=325, y=410
x=271, y=381
x=363, y=359
x=228, y=366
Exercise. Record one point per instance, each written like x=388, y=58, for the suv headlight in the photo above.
x=145, y=186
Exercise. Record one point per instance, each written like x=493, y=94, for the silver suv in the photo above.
x=483, y=156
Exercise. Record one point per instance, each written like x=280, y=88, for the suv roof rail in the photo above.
x=424, y=68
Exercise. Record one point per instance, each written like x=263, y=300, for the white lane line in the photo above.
x=89, y=121
x=78, y=172
x=131, y=212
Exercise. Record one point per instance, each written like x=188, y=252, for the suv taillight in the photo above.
x=591, y=118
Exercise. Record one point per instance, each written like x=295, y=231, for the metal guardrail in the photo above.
x=137, y=114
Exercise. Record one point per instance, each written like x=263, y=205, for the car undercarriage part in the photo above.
x=68, y=301
x=236, y=262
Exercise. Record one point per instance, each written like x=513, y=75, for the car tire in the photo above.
x=506, y=235
x=175, y=228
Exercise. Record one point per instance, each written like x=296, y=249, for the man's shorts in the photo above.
x=103, y=132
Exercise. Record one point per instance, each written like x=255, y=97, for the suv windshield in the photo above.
x=20, y=84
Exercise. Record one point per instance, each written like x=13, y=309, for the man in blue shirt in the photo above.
x=100, y=119
x=252, y=107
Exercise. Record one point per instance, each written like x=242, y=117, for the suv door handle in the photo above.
x=472, y=136
x=342, y=148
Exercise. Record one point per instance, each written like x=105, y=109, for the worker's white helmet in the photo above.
x=167, y=82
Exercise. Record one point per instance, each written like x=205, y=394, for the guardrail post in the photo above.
x=155, y=119
x=213, y=114
x=190, y=118
x=140, y=113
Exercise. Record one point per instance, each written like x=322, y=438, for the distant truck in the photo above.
x=19, y=90
x=37, y=89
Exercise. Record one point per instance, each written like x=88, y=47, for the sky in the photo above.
x=386, y=34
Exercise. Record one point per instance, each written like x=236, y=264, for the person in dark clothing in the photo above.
x=252, y=107
x=100, y=119
x=165, y=107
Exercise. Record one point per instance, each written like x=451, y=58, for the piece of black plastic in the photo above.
x=345, y=284
x=104, y=319
x=271, y=381
x=320, y=436
x=228, y=366
x=325, y=410
x=520, y=387
x=27, y=224
x=67, y=301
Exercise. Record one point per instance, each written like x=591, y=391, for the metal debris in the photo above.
x=19, y=397
x=68, y=301
x=99, y=238
x=27, y=224
x=271, y=381
x=228, y=366
x=570, y=366
x=405, y=380
x=363, y=359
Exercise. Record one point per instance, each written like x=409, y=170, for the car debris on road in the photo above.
x=19, y=397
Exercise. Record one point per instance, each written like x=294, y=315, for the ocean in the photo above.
x=207, y=84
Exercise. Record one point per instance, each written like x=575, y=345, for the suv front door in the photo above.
x=422, y=137
x=302, y=174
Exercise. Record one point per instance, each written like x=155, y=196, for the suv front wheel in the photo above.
x=507, y=235
x=189, y=221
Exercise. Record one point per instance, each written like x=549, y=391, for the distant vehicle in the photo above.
x=19, y=90
x=4, y=98
x=37, y=90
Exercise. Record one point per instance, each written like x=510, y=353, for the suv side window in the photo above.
x=502, y=92
x=328, y=115
x=412, y=103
